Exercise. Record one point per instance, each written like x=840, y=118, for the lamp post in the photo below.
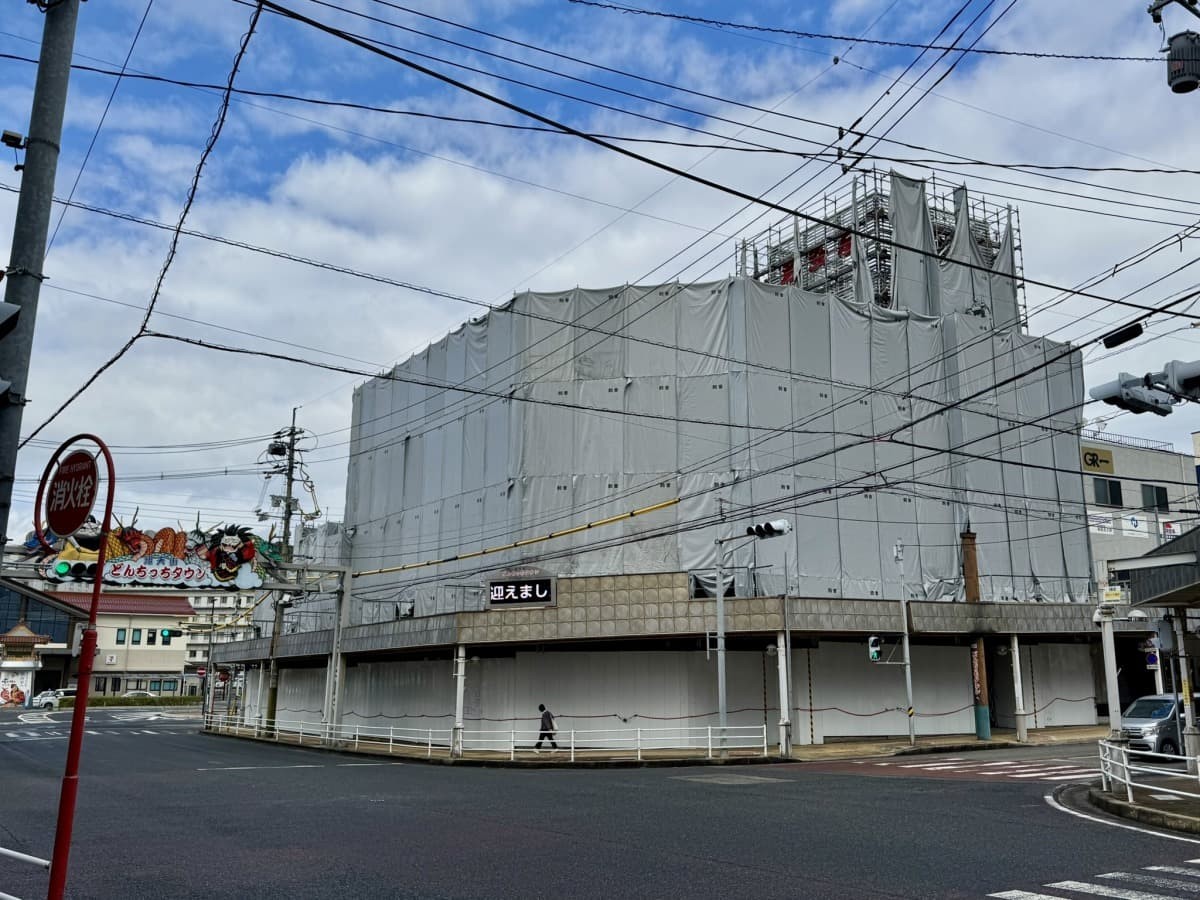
x=773, y=528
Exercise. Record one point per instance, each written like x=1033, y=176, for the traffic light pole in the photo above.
x=32, y=224
x=771, y=529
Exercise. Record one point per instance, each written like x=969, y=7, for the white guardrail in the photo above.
x=630, y=743
x=1120, y=766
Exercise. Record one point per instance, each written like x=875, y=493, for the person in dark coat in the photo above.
x=547, y=729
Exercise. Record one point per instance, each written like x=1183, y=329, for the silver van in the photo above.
x=1151, y=724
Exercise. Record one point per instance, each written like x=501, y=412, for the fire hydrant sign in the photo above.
x=71, y=493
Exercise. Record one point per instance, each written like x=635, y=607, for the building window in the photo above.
x=151, y=637
x=156, y=685
x=137, y=636
x=101, y=684
x=120, y=635
x=1154, y=497
x=1108, y=492
x=170, y=685
x=166, y=637
x=116, y=684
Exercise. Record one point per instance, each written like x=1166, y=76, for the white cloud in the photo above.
x=359, y=199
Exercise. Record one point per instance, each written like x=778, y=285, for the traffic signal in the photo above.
x=874, y=648
x=171, y=632
x=66, y=570
x=774, y=528
x=9, y=313
x=1129, y=392
x=1183, y=378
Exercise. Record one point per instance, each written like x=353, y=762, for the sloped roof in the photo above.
x=128, y=604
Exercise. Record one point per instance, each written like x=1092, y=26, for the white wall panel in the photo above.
x=651, y=440
x=599, y=338
x=600, y=437
x=651, y=313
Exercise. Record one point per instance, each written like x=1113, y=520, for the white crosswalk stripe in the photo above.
x=1159, y=885
x=1154, y=881
x=1048, y=770
x=32, y=734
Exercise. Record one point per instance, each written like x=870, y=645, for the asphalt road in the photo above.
x=165, y=812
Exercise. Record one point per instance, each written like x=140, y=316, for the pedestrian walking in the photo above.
x=547, y=729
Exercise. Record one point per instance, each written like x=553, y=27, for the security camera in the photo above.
x=1138, y=615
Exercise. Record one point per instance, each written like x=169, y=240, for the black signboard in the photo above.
x=534, y=591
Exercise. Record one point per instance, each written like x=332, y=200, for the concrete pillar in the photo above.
x=1018, y=690
x=785, y=701
x=460, y=685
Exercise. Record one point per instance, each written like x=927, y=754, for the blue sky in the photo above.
x=479, y=211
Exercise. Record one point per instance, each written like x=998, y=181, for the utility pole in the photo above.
x=32, y=224
x=280, y=604
x=979, y=682
x=898, y=555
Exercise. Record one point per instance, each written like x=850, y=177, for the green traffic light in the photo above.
x=62, y=569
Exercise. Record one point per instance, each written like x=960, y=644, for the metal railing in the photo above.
x=25, y=858
x=1125, y=769
x=706, y=741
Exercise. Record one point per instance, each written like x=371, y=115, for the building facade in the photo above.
x=602, y=453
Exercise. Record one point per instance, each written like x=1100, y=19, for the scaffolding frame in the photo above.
x=818, y=257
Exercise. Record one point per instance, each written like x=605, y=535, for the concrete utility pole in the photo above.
x=979, y=683
x=898, y=556
x=280, y=604
x=32, y=224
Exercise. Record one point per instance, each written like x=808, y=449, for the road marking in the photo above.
x=1054, y=804
x=1165, y=797
x=352, y=765
x=1176, y=870
x=1100, y=890
x=249, y=768
x=728, y=779
x=1023, y=895
x=1170, y=884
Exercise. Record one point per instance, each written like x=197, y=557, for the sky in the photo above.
x=353, y=209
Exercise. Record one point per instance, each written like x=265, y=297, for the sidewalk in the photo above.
x=833, y=750
x=948, y=743
x=1155, y=804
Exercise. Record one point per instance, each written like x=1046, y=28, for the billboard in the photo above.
x=224, y=557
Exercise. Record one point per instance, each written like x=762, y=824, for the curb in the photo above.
x=1143, y=814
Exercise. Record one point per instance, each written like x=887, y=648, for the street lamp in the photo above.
x=761, y=530
x=1104, y=616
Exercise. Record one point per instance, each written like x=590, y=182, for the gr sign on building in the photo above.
x=1096, y=460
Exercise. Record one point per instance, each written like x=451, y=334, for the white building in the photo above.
x=892, y=398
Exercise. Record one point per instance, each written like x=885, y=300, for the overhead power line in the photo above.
x=815, y=35
x=689, y=176
x=217, y=128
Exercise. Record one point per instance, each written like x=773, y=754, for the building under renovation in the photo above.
x=557, y=491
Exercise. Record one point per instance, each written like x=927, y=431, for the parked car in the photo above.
x=53, y=698
x=1151, y=724
x=138, y=694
